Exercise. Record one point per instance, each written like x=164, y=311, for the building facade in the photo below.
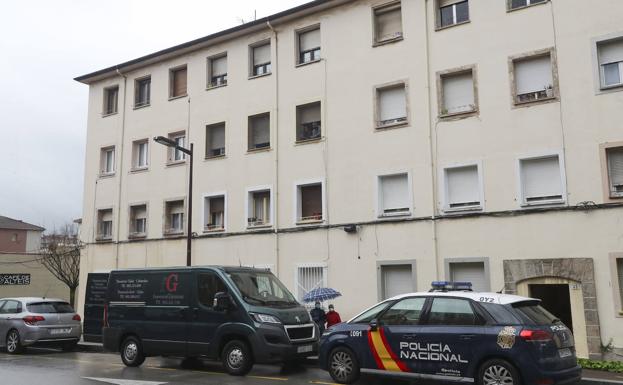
x=375, y=146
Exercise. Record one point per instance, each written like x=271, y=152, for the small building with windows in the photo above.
x=374, y=146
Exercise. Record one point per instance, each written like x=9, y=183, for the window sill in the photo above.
x=549, y=99
x=137, y=237
x=175, y=163
x=171, y=234
x=106, y=176
x=216, y=157
x=616, y=195
x=256, y=150
x=391, y=126
x=300, y=222
x=139, y=170
x=458, y=115
x=309, y=141
x=557, y=202
x=459, y=210
x=307, y=63
x=107, y=114
x=177, y=97
x=388, y=41
x=437, y=29
x=395, y=215
x=218, y=230
x=209, y=87
x=142, y=106
x=508, y=10
x=259, y=227
x=259, y=76
x=103, y=240
x=617, y=87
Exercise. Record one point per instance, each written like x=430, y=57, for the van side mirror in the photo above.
x=374, y=325
x=222, y=301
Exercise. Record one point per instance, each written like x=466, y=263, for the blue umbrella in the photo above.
x=321, y=294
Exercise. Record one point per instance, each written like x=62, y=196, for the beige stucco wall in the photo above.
x=352, y=154
x=42, y=282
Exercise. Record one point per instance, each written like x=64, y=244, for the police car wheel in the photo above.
x=498, y=372
x=132, y=352
x=343, y=366
x=236, y=357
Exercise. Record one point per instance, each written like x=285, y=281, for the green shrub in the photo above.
x=607, y=366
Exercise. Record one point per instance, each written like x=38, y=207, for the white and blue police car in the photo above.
x=452, y=334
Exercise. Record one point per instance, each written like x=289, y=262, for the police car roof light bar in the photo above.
x=450, y=286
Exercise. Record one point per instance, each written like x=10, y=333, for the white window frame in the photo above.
x=167, y=231
x=172, y=152
x=137, y=83
x=136, y=145
x=205, y=207
x=134, y=234
x=563, y=179
x=443, y=177
x=271, y=210
x=104, y=172
x=529, y=3
x=98, y=216
x=325, y=275
x=598, y=72
x=378, y=196
x=297, y=201
x=107, y=91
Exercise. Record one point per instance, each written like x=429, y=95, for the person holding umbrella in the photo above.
x=318, y=316
x=333, y=317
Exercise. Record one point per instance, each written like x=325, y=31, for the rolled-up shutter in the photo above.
x=463, y=185
x=473, y=272
x=395, y=192
x=179, y=82
x=615, y=166
x=217, y=137
x=261, y=129
x=392, y=103
x=106, y=215
x=261, y=54
x=388, y=23
x=541, y=178
x=611, y=52
x=397, y=279
x=309, y=40
x=458, y=93
x=533, y=75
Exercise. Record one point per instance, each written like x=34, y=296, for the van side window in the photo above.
x=208, y=285
x=452, y=311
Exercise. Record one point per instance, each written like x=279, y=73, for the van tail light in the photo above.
x=77, y=318
x=535, y=335
x=105, y=318
x=32, y=319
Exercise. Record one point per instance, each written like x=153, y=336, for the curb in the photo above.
x=89, y=347
x=598, y=381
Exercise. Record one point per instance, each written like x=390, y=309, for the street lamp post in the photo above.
x=189, y=234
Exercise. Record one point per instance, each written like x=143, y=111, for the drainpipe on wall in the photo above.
x=276, y=120
x=120, y=167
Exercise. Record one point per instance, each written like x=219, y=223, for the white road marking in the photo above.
x=124, y=382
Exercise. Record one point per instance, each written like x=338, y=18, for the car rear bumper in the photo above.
x=35, y=335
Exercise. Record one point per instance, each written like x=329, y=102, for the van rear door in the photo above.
x=97, y=285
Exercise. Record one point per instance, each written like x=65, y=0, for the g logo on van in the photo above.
x=171, y=283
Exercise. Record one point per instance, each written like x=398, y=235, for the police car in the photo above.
x=453, y=334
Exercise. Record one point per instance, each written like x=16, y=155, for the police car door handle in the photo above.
x=467, y=336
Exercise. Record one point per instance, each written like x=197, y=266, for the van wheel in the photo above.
x=132, y=352
x=13, y=343
x=343, y=366
x=236, y=357
x=498, y=372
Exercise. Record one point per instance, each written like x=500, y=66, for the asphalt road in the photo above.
x=51, y=367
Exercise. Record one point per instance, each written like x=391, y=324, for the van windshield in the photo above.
x=258, y=288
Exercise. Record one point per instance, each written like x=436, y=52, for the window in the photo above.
x=111, y=97
x=309, y=45
x=387, y=23
x=370, y=314
x=138, y=221
x=308, y=122
x=310, y=205
x=473, y=272
x=14, y=237
x=309, y=278
x=260, y=60
x=208, y=285
x=462, y=188
x=619, y=262
x=174, y=217
x=452, y=311
x=541, y=180
x=142, y=92
x=107, y=161
x=396, y=280
x=533, y=78
x=615, y=171
x=394, y=195
x=214, y=216
x=404, y=312
x=514, y=4
x=215, y=140
x=175, y=155
x=259, y=208
x=11, y=307
x=457, y=93
x=104, y=224
x=391, y=105
x=217, y=71
x=259, y=132
x=452, y=12
x=610, y=55
x=177, y=82
x=140, y=154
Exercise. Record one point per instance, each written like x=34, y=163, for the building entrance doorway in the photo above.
x=555, y=298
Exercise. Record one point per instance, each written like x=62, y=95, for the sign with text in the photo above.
x=14, y=279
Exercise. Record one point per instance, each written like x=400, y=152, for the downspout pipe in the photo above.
x=119, y=167
x=276, y=120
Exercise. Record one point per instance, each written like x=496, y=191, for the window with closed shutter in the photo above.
x=111, y=97
x=259, y=132
x=105, y=224
x=310, y=203
x=611, y=62
x=458, y=93
x=215, y=140
x=396, y=280
x=620, y=276
x=308, y=122
x=215, y=213
x=138, y=220
x=259, y=208
x=178, y=82
x=463, y=187
x=392, y=105
x=388, y=22
x=615, y=171
x=541, y=180
x=218, y=71
x=473, y=272
x=309, y=46
x=175, y=216
x=533, y=79
x=261, y=60
x=394, y=195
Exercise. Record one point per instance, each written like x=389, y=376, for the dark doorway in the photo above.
x=554, y=298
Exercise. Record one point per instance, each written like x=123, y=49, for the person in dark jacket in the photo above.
x=333, y=317
x=318, y=316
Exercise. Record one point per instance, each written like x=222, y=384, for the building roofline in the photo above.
x=7, y=223
x=202, y=42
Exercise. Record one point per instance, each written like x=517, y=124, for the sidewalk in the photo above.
x=598, y=377
x=89, y=347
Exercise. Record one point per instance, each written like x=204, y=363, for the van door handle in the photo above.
x=410, y=336
x=466, y=337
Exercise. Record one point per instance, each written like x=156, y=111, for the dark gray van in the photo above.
x=238, y=315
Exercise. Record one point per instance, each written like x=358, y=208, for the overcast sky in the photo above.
x=45, y=44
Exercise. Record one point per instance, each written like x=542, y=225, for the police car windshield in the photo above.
x=370, y=314
x=533, y=313
x=262, y=288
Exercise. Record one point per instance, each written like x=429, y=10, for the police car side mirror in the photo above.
x=374, y=325
x=222, y=301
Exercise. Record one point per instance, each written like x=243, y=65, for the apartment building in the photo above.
x=373, y=146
